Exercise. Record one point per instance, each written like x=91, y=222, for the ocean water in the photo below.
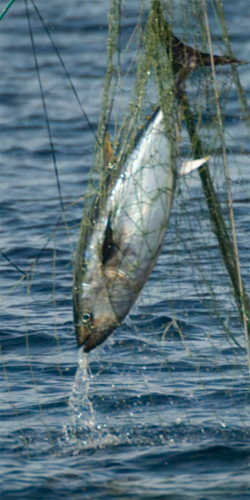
x=161, y=410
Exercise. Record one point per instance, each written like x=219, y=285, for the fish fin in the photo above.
x=108, y=151
x=190, y=59
x=190, y=166
x=185, y=58
x=109, y=247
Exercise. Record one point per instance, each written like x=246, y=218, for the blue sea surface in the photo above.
x=161, y=410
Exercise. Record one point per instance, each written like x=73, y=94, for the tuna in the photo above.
x=125, y=233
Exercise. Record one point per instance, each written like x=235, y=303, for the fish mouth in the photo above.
x=91, y=338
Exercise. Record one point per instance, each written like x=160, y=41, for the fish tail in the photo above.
x=186, y=59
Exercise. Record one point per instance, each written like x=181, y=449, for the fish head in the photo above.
x=100, y=304
x=94, y=316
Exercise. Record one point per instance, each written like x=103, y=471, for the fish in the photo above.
x=118, y=248
x=127, y=237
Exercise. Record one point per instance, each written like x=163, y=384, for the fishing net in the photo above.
x=177, y=369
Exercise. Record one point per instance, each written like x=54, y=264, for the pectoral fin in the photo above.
x=190, y=166
x=108, y=247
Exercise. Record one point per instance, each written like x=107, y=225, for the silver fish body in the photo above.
x=118, y=251
x=126, y=239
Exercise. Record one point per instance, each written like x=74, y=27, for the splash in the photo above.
x=87, y=430
x=190, y=287
x=80, y=403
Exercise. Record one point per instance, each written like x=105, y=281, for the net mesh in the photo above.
x=193, y=315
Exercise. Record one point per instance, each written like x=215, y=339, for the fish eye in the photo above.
x=86, y=317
